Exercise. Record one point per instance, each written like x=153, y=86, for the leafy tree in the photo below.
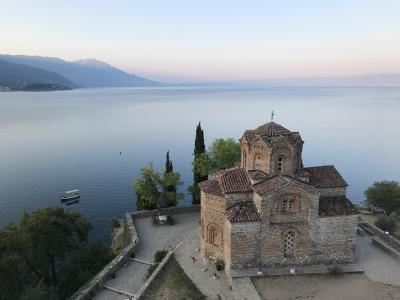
x=223, y=154
x=385, y=195
x=35, y=251
x=151, y=187
x=199, y=150
x=83, y=265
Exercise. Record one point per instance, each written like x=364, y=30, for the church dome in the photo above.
x=271, y=129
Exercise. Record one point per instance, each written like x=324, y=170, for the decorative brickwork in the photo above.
x=274, y=212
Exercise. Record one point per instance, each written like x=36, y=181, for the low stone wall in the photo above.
x=388, y=239
x=389, y=250
x=171, y=210
x=141, y=293
x=88, y=290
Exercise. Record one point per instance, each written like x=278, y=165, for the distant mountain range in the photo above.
x=23, y=72
x=82, y=73
x=19, y=77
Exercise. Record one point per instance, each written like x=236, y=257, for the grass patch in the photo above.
x=173, y=284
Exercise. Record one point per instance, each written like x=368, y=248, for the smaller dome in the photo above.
x=271, y=129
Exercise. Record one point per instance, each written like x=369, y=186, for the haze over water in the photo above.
x=54, y=141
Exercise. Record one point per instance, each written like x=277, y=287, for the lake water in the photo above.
x=54, y=141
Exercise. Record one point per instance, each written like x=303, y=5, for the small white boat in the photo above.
x=70, y=195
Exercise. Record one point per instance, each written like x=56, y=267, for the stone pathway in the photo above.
x=129, y=279
x=377, y=265
x=199, y=271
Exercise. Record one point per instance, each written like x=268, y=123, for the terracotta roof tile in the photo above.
x=336, y=206
x=235, y=181
x=325, y=176
x=250, y=135
x=211, y=187
x=243, y=212
x=270, y=129
x=257, y=174
x=270, y=184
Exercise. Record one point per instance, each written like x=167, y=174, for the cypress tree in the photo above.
x=168, y=169
x=199, y=148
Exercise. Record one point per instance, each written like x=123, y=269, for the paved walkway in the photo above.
x=199, y=271
x=151, y=238
x=377, y=265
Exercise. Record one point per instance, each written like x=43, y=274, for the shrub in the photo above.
x=386, y=223
x=159, y=255
x=150, y=270
x=114, y=223
x=219, y=264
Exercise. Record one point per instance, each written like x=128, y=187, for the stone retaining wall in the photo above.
x=140, y=294
x=388, y=239
x=171, y=210
x=89, y=289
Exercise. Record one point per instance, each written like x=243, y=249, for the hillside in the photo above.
x=17, y=77
x=85, y=73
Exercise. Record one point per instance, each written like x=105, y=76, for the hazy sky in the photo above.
x=207, y=40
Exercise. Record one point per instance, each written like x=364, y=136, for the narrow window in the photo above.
x=288, y=246
x=279, y=165
x=212, y=235
x=287, y=205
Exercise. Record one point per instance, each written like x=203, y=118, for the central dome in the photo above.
x=271, y=129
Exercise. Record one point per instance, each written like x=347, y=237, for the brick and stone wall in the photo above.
x=212, y=219
x=337, y=239
x=244, y=244
x=332, y=192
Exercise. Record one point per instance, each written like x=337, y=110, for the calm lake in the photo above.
x=54, y=141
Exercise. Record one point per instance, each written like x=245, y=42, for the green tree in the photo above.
x=198, y=153
x=34, y=251
x=83, y=265
x=385, y=195
x=169, y=168
x=223, y=154
x=151, y=187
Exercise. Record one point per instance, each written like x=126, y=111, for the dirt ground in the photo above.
x=324, y=287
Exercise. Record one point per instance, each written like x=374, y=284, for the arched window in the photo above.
x=214, y=235
x=288, y=245
x=244, y=159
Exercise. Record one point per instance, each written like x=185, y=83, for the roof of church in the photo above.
x=268, y=185
x=211, y=187
x=269, y=132
x=257, y=174
x=232, y=180
x=270, y=129
x=243, y=212
x=235, y=180
x=336, y=206
x=325, y=177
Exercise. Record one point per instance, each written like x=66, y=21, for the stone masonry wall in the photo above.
x=330, y=192
x=244, y=244
x=338, y=238
x=212, y=215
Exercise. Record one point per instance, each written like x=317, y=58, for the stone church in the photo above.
x=272, y=211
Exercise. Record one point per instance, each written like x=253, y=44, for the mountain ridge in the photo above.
x=84, y=73
x=18, y=77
